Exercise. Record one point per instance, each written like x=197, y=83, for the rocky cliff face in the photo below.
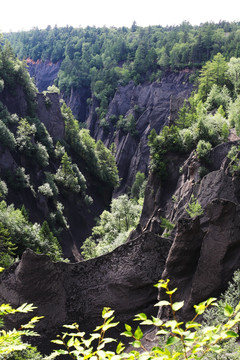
x=15, y=101
x=67, y=293
x=205, y=250
x=43, y=72
x=153, y=106
x=77, y=101
x=50, y=115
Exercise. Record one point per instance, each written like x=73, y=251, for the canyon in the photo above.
x=199, y=257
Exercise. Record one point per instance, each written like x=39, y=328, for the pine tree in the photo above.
x=7, y=248
x=66, y=166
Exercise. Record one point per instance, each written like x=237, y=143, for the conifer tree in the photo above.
x=7, y=248
x=66, y=166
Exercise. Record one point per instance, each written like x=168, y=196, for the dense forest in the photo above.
x=100, y=60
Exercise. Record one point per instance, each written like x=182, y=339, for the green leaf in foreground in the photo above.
x=177, y=305
x=138, y=333
x=172, y=340
x=228, y=310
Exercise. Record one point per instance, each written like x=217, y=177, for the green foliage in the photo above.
x=213, y=73
x=202, y=171
x=234, y=165
x=20, y=179
x=234, y=74
x=11, y=341
x=184, y=120
x=25, y=212
x=30, y=353
x=45, y=189
x=34, y=141
x=227, y=301
x=50, y=242
x=139, y=185
x=167, y=227
x=194, y=208
x=6, y=137
x=195, y=128
x=203, y=149
x=14, y=73
x=179, y=340
x=127, y=124
x=59, y=150
x=42, y=135
x=104, y=124
x=47, y=101
x=23, y=234
x=157, y=163
x=50, y=180
x=42, y=155
x=113, y=227
x=25, y=136
x=218, y=96
x=3, y=189
x=1, y=85
x=53, y=89
x=108, y=170
x=234, y=114
x=99, y=160
x=101, y=58
x=58, y=217
x=69, y=177
x=7, y=248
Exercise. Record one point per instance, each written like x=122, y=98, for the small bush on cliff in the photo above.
x=194, y=208
x=127, y=124
x=234, y=165
x=167, y=227
x=203, y=149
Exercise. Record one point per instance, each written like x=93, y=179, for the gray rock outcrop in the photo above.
x=153, y=106
x=49, y=113
x=67, y=293
x=15, y=101
x=77, y=101
x=205, y=250
x=204, y=254
x=43, y=72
